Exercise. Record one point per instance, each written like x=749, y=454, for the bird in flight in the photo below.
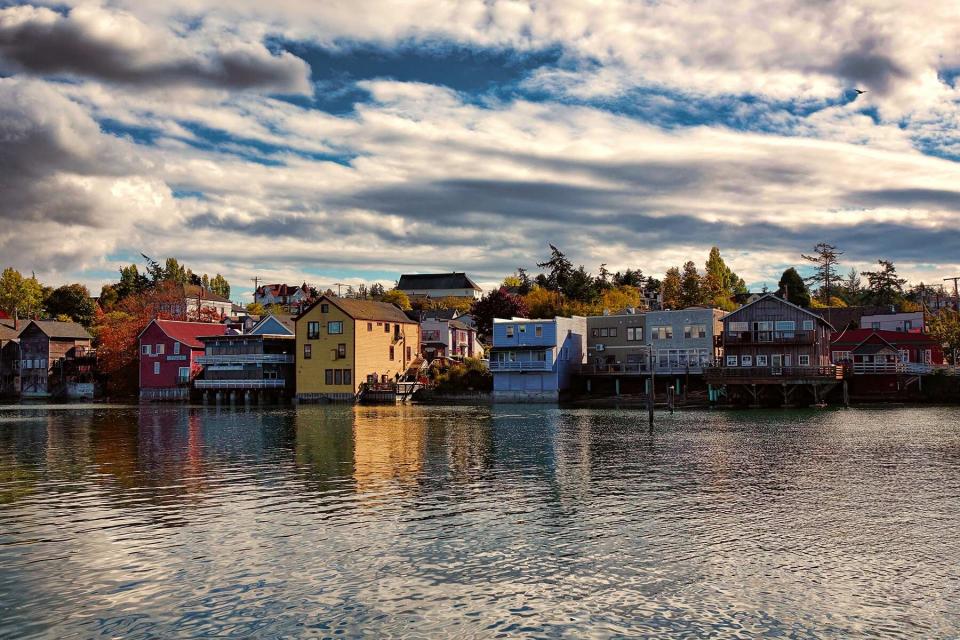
x=859, y=91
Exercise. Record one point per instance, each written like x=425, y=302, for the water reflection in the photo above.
x=447, y=521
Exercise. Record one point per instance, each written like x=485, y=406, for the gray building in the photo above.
x=684, y=340
x=616, y=343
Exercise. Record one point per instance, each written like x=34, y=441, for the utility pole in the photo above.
x=256, y=285
x=338, y=285
x=956, y=293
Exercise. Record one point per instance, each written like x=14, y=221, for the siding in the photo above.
x=773, y=309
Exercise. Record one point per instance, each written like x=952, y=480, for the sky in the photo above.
x=354, y=141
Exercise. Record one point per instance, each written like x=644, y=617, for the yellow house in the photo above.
x=342, y=343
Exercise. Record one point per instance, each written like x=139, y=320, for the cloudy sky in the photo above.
x=351, y=141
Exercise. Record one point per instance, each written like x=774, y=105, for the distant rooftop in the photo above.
x=454, y=280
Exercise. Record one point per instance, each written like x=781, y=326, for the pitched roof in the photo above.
x=65, y=330
x=284, y=319
x=780, y=300
x=363, y=309
x=857, y=336
x=7, y=332
x=189, y=332
x=454, y=280
x=192, y=290
x=281, y=289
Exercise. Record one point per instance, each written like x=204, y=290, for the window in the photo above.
x=338, y=376
x=307, y=351
x=391, y=352
x=841, y=356
x=369, y=326
x=785, y=325
x=176, y=348
x=804, y=360
x=538, y=331
x=144, y=349
x=695, y=331
x=161, y=349
x=335, y=328
x=386, y=327
x=927, y=356
x=738, y=327
x=565, y=353
x=324, y=308
x=635, y=334
x=328, y=377
x=409, y=353
x=613, y=332
x=184, y=374
x=661, y=333
x=873, y=325
x=761, y=361
x=156, y=368
x=904, y=355
x=313, y=330
x=604, y=333
x=347, y=376
x=523, y=328
x=509, y=330
x=341, y=350
x=808, y=325
x=540, y=356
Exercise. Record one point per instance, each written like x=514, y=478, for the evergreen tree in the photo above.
x=376, y=291
x=853, y=286
x=793, y=289
x=131, y=282
x=560, y=269
x=885, y=287
x=629, y=278
x=691, y=291
x=580, y=286
x=603, y=281
x=220, y=286
x=826, y=257
x=670, y=290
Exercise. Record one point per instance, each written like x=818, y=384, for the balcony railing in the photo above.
x=239, y=384
x=746, y=373
x=521, y=365
x=769, y=337
x=860, y=368
x=248, y=358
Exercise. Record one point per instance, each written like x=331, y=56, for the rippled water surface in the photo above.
x=419, y=522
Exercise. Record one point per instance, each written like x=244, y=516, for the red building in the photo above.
x=876, y=351
x=168, y=357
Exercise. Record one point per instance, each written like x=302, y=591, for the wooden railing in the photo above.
x=769, y=337
x=745, y=373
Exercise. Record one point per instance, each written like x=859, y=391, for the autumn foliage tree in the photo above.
x=499, y=303
x=116, y=334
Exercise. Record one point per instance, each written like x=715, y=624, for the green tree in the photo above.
x=131, y=282
x=220, y=286
x=885, y=287
x=826, y=258
x=628, y=278
x=23, y=295
x=560, y=269
x=670, y=290
x=398, y=298
x=376, y=291
x=580, y=286
x=792, y=288
x=108, y=296
x=691, y=291
x=945, y=327
x=72, y=301
x=852, y=286
x=720, y=283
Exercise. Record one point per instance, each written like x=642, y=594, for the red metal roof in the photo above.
x=856, y=336
x=189, y=332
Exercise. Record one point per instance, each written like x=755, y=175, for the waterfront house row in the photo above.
x=46, y=359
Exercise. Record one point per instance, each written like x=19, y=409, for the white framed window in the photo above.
x=803, y=360
x=604, y=333
x=841, y=356
x=145, y=349
x=538, y=330
x=761, y=360
x=746, y=361
x=808, y=325
x=509, y=330
x=161, y=349
x=335, y=327
x=738, y=327
x=156, y=368
x=176, y=348
x=731, y=361
x=523, y=328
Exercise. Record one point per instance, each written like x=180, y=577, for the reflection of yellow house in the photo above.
x=342, y=343
x=389, y=447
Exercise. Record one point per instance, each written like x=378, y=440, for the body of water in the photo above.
x=511, y=521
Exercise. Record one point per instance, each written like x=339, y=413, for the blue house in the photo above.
x=534, y=360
